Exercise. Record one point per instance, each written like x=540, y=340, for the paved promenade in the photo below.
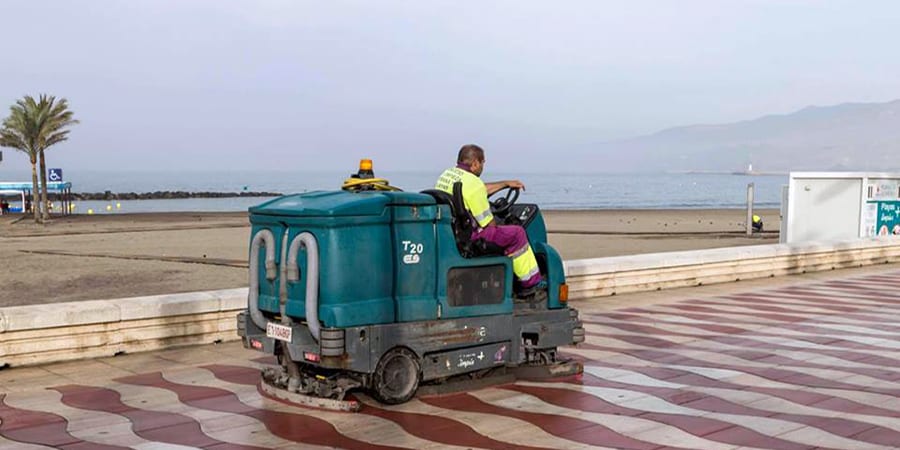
x=790, y=363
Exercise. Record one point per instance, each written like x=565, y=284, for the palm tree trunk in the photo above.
x=45, y=209
x=35, y=189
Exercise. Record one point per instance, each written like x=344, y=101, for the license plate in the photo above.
x=280, y=332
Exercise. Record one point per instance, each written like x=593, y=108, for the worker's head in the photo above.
x=472, y=156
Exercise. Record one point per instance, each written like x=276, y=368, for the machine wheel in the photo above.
x=396, y=377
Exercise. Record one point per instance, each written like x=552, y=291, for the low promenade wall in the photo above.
x=589, y=278
x=89, y=329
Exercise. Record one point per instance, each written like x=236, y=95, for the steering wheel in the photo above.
x=501, y=205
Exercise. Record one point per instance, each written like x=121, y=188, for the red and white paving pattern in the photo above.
x=791, y=365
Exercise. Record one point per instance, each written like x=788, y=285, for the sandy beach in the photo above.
x=93, y=257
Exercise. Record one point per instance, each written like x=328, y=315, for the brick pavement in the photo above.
x=792, y=363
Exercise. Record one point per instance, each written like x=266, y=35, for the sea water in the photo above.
x=550, y=190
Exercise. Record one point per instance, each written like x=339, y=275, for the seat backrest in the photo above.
x=460, y=214
x=440, y=197
x=462, y=223
x=459, y=217
x=459, y=205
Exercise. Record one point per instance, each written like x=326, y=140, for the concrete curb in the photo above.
x=88, y=329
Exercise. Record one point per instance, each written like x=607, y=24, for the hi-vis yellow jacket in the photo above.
x=474, y=193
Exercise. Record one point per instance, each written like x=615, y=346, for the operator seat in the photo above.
x=461, y=222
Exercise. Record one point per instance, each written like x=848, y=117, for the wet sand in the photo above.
x=97, y=257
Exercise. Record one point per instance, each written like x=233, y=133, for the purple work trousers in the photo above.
x=513, y=240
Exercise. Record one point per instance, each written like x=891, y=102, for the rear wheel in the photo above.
x=396, y=377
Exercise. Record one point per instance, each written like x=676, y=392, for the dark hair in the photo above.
x=470, y=153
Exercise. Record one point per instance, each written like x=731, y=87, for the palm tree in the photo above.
x=13, y=134
x=58, y=118
x=32, y=127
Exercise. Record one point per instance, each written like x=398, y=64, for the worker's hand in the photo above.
x=515, y=184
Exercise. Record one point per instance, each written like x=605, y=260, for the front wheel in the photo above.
x=396, y=377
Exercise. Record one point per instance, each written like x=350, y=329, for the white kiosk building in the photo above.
x=827, y=206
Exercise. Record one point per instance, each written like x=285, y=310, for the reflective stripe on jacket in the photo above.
x=474, y=193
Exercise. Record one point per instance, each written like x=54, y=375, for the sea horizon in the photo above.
x=570, y=191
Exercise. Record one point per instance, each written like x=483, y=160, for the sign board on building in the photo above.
x=881, y=216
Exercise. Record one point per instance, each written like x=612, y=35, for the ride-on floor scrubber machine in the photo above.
x=384, y=291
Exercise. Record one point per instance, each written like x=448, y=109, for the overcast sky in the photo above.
x=307, y=85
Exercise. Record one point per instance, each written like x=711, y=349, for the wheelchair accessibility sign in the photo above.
x=55, y=175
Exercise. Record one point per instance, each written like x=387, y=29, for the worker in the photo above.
x=512, y=238
x=757, y=223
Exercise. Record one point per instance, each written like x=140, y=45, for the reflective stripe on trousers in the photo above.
x=525, y=267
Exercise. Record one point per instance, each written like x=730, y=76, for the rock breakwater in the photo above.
x=164, y=195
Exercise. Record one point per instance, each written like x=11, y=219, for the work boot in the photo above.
x=533, y=294
x=540, y=297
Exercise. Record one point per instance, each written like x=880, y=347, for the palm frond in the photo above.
x=56, y=138
x=12, y=139
x=36, y=124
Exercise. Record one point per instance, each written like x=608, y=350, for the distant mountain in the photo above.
x=849, y=136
